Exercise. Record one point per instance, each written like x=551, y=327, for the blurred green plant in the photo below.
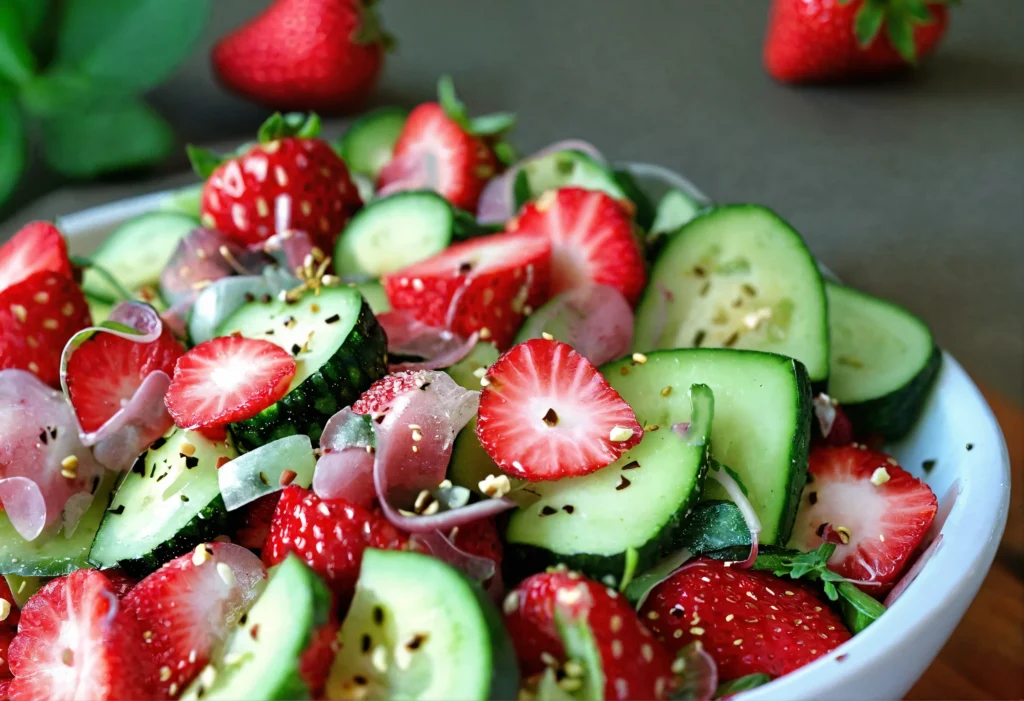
x=71, y=73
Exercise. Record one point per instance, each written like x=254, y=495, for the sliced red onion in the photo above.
x=722, y=476
x=289, y=248
x=932, y=538
x=440, y=546
x=204, y=255
x=176, y=317
x=458, y=348
x=641, y=586
x=911, y=574
x=345, y=467
x=414, y=170
x=263, y=471
x=246, y=584
x=220, y=300
x=698, y=673
x=596, y=320
x=825, y=412
x=408, y=336
x=73, y=511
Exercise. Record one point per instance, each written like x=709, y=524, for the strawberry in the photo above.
x=749, y=621
x=635, y=665
x=329, y=535
x=828, y=40
x=441, y=148
x=879, y=512
x=120, y=581
x=227, y=379
x=7, y=634
x=316, y=660
x=480, y=538
x=37, y=317
x=321, y=55
x=488, y=285
x=75, y=642
x=104, y=373
x=36, y=248
x=188, y=607
x=251, y=523
x=592, y=240
x=11, y=607
x=289, y=181
x=546, y=413
x=377, y=399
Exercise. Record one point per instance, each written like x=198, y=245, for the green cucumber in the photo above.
x=374, y=294
x=98, y=310
x=644, y=209
x=367, y=145
x=564, y=169
x=185, y=200
x=737, y=276
x=466, y=372
x=169, y=503
x=675, y=209
x=339, y=349
x=884, y=362
x=55, y=554
x=419, y=629
x=762, y=422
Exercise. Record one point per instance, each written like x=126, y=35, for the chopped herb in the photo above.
x=191, y=461
x=928, y=465
x=184, y=498
x=162, y=476
x=548, y=511
x=970, y=446
x=158, y=443
x=333, y=319
x=118, y=511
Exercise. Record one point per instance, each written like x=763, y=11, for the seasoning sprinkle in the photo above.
x=880, y=476
x=623, y=483
x=546, y=336
x=620, y=434
x=639, y=358
x=287, y=477
x=200, y=555
x=665, y=391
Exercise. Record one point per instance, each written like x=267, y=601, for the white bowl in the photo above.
x=885, y=660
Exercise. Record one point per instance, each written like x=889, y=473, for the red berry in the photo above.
x=377, y=399
x=316, y=660
x=38, y=247
x=480, y=538
x=252, y=521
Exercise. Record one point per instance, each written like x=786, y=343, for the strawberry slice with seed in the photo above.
x=38, y=247
x=228, y=379
x=379, y=396
x=547, y=413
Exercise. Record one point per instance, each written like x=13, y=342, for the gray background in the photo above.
x=912, y=189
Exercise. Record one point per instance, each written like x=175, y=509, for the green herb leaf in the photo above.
x=751, y=681
x=549, y=690
x=12, y=145
x=61, y=92
x=293, y=124
x=632, y=557
x=859, y=609
x=133, y=44
x=32, y=12
x=492, y=124
x=918, y=10
x=638, y=589
x=17, y=64
x=203, y=161
x=581, y=648
x=124, y=135
x=505, y=152
x=713, y=525
x=450, y=102
x=901, y=35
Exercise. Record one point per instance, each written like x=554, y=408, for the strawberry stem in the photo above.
x=293, y=124
x=203, y=161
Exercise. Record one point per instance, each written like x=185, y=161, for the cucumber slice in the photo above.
x=169, y=503
x=762, y=422
x=98, y=310
x=564, y=169
x=675, y=209
x=465, y=372
x=368, y=144
x=636, y=503
x=135, y=253
x=261, y=658
x=57, y=554
x=186, y=200
x=470, y=463
x=739, y=277
x=22, y=588
x=884, y=362
x=374, y=294
x=644, y=208
x=340, y=350
x=391, y=233
x=441, y=638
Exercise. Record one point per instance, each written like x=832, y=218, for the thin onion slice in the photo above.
x=265, y=470
x=440, y=546
x=911, y=574
x=825, y=413
x=596, y=320
x=722, y=476
x=409, y=336
x=699, y=673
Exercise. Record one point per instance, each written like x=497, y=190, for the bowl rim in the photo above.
x=970, y=549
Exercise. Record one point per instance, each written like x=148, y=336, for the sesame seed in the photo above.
x=615, y=623
x=729, y=617
x=546, y=336
x=620, y=434
x=165, y=673
x=70, y=462
x=5, y=609
x=187, y=449
x=665, y=391
x=68, y=474
x=696, y=630
x=617, y=648
x=647, y=651
x=484, y=382
x=417, y=435
x=200, y=555
x=226, y=573
x=207, y=676
x=480, y=372
x=20, y=313
x=511, y=603
x=639, y=358
x=495, y=486
x=880, y=476
x=737, y=642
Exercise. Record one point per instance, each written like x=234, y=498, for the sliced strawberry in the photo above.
x=487, y=285
x=228, y=379
x=377, y=399
x=37, y=317
x=635, y=665
x=251, y=523
x=480, y=538
x=7, y=634
x=120, y=581
x=750, y=622
x=546, y=413
x=316, y=660
x=329, y=535
x=188, y=607
x=11, y=607
x=38, y=247
x=879, y=512
x=105, y=372
x=75, y=641
x=592, y=240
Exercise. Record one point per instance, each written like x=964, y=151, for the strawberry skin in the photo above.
x=879, y=510
x=487, y=285
x=37, y=317
x=36, y=248
x=251, y=523
x=592, y=240
x=547, y=413
x=323, y=55
x=750, y=622
x=813, y=41
x=7, y=634
x=329, y=535
x=480, y=538
x=379, y=396
x=636, y=666
x=287, y=184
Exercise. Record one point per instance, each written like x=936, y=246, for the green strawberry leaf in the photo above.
x=127, y=134
x=32, y=12
x=293, y=124
x=751, y=681
x=868, y=21
x=134, y=44
x=901, y=35
x=492, y=124
x=12, y=145
x=505, y=152
x=17, y=64
x=203, y=161
x=450, y=102
x=918, y=9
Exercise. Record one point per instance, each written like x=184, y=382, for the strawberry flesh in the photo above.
x=377, y=399
x=37, y=247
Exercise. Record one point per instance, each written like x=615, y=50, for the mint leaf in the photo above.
x=450, y=102
x=124, y=135
x=751, y=681
x=134, y=44
x=868, y=21
x=12, y=145
x=492, y=124
x=61, y=92
x=17, y=64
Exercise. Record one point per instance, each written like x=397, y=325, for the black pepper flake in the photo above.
x=548, y=511
x=550, y=418
x=360, y=680
x=623, y=483
x=289, y=322
x=378, y=615
x=465, y=268
x=700, y=272
x=243, y=619
x=417, y=642
x=184, y=498
x=332, y=319
x=970, y=446
x=698, y=338
x=731, y=341
x=191, y=461
x=366, y=643
x=424, y=386
x=140, y=465
x=152, y=471
x=265, y=299
x=268, y=332
x=53, y=432
x=162, y=476
x=812, y=498
x=676, y=611
x=296, y=349
x=631, y=465
x=118, y=511
x=264, y=480
x=928, y=465
x=158, y=443
x=820, y=530
x=95, y=484
x=43, y=437
x=250, y=297
x=568, y=508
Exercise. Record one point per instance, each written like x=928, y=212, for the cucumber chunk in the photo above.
x=169, y=503
x=884, y=362
x=675, y=209
x=56, y=554
x=339, y=349
x=261, y=658
x=440, y=638
x=564, y=169
x=135, y=254
x=465, y=372
x=374, y=294
x=762, y=424
x=185, y=200
x=368, y=144
x=737, y=276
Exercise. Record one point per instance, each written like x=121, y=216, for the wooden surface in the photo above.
x=984, y=659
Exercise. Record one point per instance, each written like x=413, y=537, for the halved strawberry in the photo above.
x=7, y=634
x=377, y=399
x=592, y=240
x=37, y=317
x=480, y=538
x=188, y=607
x=38, y=247
x=105, y=372
x=75, y=641
x=228, y=379
x=487, y=284
x=879, y=512
x=251, y=523
x=546, y=413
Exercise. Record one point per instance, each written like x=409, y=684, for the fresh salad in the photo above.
x=406, y=416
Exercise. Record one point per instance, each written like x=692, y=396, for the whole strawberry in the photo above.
x=323, y=55
x=822, y=40
x=289, y=181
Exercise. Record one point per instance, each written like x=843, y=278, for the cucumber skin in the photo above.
x=894, y=414
x=504, y=664
x=359, y=362
x=798, y=455
x=645, y=209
